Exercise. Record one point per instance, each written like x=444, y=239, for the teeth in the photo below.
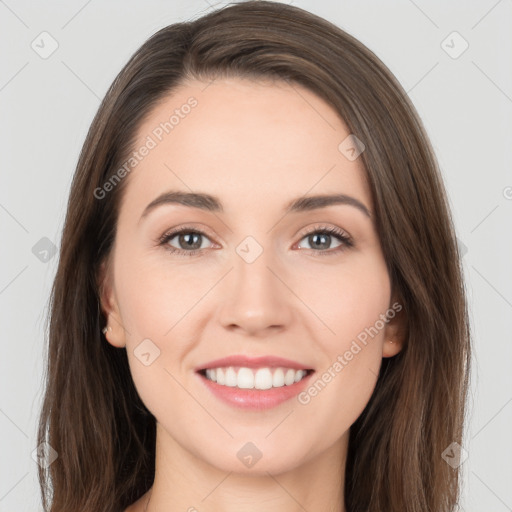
x=231, y=379
x=245, y=379
x=261, y=378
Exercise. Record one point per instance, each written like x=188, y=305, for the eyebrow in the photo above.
x=211, y=203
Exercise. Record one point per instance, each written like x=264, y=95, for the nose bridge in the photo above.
x=252, y=267
x=256, y=299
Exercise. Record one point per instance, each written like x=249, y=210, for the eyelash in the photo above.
x=336, y=232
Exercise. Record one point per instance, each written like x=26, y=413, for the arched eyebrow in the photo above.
x=212, y=203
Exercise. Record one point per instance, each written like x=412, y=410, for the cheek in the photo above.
x=153, y=303
x=352, y=305
x=346, y=298
x=155, y=294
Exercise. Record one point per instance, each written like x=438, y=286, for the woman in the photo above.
x=259, y=301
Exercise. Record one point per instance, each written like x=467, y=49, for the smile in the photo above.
x=250, y=389
x=255, y=378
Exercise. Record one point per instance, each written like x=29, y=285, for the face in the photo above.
x=188, y=284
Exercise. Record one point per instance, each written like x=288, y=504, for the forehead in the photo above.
x=244, y=141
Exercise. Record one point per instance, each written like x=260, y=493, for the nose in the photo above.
x=256, y=299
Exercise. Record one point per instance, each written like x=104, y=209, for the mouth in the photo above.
x=262, y=378
x=256, y=389
x=254, y=383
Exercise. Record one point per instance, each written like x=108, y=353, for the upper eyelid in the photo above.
x=171, y=233
x=179, y=229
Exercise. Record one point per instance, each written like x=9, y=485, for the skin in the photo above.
x=257, y=146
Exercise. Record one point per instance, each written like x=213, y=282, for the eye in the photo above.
x=321, y=238
x=189, y=238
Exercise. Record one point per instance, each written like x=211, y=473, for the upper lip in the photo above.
x=253, y=362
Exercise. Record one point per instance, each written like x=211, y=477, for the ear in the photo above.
x=115, y=333
x=395, y=332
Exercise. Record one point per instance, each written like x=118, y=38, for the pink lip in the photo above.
x=255, y=399
x=253, y=362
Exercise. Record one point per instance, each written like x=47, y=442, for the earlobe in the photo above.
x=391, y=348
x=115, y=336
x=395, y=333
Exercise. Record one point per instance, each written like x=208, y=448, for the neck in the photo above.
x=185, y=482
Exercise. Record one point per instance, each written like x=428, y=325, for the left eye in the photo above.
x=321, y=239
x=190, y=240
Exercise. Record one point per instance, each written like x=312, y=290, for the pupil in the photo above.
x=315, y=237
x=187, y=236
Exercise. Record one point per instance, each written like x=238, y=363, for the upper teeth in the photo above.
x=248, y=378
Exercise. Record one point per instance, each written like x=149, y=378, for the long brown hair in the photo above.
x=92, y=415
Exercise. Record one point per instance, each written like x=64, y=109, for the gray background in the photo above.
x=465, y=103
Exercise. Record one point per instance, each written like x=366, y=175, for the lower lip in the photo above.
x=256, y=399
